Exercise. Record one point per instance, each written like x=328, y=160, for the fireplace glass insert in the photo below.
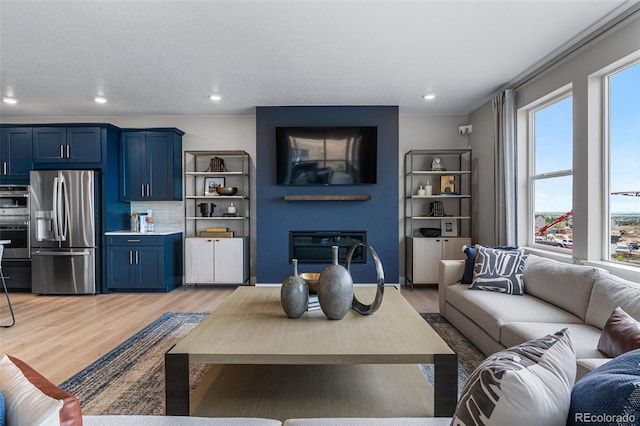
x=315, y=246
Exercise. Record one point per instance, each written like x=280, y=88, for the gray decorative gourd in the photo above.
x=335, y=288
x=294, y=294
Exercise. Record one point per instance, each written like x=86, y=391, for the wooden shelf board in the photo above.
x=335, y=197
x=216, y=218
x=440, y=172
x=440, y=196
x=218, y=197
x=216, y=173
x=440, y=217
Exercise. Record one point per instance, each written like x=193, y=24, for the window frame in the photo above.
x=530, y=110
x=606, y=74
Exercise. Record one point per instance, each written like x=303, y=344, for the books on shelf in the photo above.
x=313, y=304
x=216, y=229
x=216, y=234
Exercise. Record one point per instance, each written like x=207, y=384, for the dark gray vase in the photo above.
x=294, y=294
x=335, y=288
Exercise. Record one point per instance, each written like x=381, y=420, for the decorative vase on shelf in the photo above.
x=294, y=294
x=335, y=288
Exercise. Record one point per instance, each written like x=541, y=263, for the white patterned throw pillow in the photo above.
x=499, y=270
x=528, y=384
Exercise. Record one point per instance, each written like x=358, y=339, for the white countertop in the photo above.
x=161, y=232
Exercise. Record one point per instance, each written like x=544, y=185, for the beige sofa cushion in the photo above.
x=609, y=292
x=399, y=421
x=491, y=310
x=562, y=284
x=584, y=337
x=176, y=421
x=587, y=365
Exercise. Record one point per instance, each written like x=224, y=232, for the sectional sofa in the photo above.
x=557, y=295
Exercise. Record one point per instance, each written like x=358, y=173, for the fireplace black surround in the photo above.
x=315, y=246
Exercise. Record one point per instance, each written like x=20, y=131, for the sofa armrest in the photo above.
x=450, y=272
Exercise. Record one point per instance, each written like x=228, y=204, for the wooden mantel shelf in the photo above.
x=336, y=197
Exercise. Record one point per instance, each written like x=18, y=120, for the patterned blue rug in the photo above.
x=469, y=357
x=130, y=378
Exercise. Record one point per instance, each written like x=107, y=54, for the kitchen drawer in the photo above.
x=135, y=240
x=17, y=274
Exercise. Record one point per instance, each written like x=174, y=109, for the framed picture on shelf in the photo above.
x=211, y=183
x=447, y=184
x=449, y=228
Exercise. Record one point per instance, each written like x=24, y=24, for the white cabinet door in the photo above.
x=229, y=260
x=452, y=248
x=427, y=253
x=199, y=260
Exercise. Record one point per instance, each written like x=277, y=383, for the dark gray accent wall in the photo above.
x=276, y=217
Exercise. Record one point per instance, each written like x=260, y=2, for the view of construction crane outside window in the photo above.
x=624, y=164
x=553, y=173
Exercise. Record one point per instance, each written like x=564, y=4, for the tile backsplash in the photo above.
x=168, y=215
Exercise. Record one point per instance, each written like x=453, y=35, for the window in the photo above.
x=623, y=130
x=551, y=176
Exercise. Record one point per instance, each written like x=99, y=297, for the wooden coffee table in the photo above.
x=266, y=365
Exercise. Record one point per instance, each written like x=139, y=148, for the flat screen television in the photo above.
x=326, y=155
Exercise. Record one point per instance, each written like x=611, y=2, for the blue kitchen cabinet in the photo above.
x=139, y=262
x=15, y=155
x=151, y=165
x=67, y=145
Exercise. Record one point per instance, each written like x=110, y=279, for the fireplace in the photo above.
x=315, y=246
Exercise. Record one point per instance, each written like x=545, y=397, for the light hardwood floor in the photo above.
x=61, y=335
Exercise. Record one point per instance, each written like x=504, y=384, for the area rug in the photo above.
x=469, y=357
x=129, y=380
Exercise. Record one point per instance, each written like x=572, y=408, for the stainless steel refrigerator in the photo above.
x=63, y=240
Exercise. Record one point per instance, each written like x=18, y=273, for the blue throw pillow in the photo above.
x=467, y=276
x=2, y=414
x=610, y=394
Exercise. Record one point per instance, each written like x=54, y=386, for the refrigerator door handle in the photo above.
x=59, y=253
x=64, y=210
x=54, y=212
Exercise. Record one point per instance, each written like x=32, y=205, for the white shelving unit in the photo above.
x=447, y=209
x=212, y=258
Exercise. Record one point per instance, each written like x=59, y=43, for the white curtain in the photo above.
x=505, y=160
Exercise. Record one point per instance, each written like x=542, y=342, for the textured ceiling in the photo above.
x=167, y=57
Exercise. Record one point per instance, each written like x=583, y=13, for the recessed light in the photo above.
x=429, y=96
x=10, y=100
x=215, y=98
x=100, y=100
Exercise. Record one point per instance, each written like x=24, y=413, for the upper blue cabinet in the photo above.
x=150, y=164
x=67, y=145
x=15, y=155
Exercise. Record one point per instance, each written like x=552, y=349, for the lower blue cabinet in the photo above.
x=138, y=262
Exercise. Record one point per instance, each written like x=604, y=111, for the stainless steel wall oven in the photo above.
x=15, y=221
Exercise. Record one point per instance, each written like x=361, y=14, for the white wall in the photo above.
x=482, y=182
